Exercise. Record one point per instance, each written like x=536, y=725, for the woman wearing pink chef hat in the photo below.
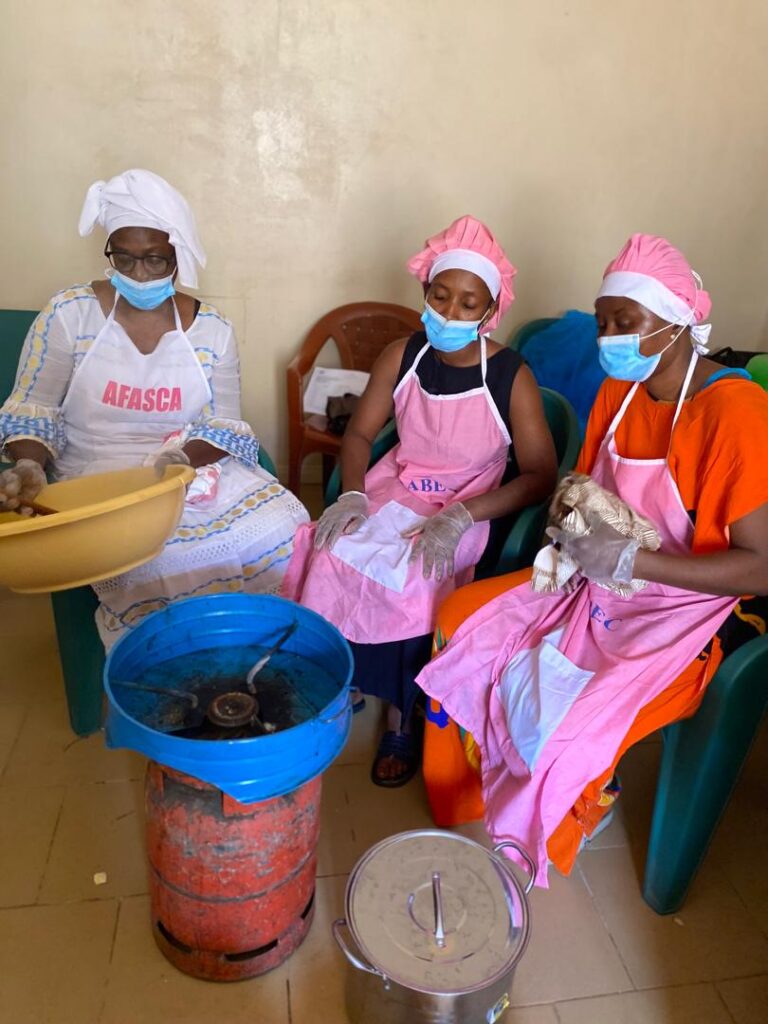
x=551, y=688
x=474, y=446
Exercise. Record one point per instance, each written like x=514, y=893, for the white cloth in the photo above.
x=141, y=199
x=204, y=489
x=474, y=262
x=377, y=549
x=654, y=295
x=538, y=688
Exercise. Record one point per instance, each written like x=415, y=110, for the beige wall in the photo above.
x=320, y=142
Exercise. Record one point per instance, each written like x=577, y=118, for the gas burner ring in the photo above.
x=231, y=710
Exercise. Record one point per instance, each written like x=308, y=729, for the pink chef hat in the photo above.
x=657, y=275
x=468, y=245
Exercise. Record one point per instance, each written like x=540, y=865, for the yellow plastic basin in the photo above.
x=103, y=525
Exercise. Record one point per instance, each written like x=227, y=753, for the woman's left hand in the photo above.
x=437, y=540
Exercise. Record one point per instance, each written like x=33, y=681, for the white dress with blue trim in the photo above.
x=239, y=540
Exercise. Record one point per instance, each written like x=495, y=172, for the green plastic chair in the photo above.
x=80, y=649
x=521, y=334
x=700, y=765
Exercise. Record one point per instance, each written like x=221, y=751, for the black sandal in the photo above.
x=403, y=746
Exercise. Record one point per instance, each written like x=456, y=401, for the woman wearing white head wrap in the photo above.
x=141, y=199
x=125, y=372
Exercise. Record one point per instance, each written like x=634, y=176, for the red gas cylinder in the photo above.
x=232, y=885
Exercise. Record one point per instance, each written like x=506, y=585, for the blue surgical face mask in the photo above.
x=143, y=294
x=448, y=335
x=621, y=358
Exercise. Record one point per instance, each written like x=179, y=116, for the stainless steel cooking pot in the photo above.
x=437, y=926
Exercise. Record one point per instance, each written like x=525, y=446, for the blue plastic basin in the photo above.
x=209, y=632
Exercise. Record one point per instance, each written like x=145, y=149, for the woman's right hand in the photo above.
x=346, y=515
x=20, y=484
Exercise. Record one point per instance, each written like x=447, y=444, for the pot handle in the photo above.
x=341, y=942
x=526, y=857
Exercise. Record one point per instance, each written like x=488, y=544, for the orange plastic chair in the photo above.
x=360, y=330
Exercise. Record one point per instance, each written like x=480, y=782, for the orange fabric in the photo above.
x=717, y=456
x=452, y=780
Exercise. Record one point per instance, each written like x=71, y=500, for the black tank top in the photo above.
x=438, y=378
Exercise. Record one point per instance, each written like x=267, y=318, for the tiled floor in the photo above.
x=76, y=952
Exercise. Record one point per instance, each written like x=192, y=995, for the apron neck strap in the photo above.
x=683, y=393
x=686, y=385
x=483, y=356
x=176, y=317
x=622, y=409
x=631, y=394
x=112, y=311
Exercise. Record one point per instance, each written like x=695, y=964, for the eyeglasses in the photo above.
x=155, y=266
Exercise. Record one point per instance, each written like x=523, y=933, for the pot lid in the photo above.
x=437, y=912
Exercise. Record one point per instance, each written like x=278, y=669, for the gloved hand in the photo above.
x=437, y=540
x=169, y=457
x=20, y=484
x=346, y=515
x=603, y=555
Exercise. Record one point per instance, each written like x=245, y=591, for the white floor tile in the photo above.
x=712, y=937
x=29, y=817
x=144, y=988
x=53, y=962
x=570, y=953
x=98, y=850
x=747, y=999
x=48, y=752
x=687, y=1004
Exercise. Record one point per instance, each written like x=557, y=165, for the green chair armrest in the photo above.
x=523, y=540
x=386, y=439
x=265, y=461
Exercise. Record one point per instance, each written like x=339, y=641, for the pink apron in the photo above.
x=452, y=448
x=549, y=684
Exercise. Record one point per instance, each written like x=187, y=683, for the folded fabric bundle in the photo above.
x=577, y=500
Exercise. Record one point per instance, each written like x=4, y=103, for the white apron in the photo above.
x=122, y=404
x=120, y=407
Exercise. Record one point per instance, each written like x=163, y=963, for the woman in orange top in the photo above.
x=716, y=460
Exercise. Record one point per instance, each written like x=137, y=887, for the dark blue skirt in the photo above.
x=389, y=670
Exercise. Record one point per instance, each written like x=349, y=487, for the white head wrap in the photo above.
x=466, y=259
x=651, y=293
x=141, y=199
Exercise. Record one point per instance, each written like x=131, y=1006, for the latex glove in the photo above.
x=169, y=457
x=346, y=515
x=437, y=540
x=603, y=555
x=20, y=484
